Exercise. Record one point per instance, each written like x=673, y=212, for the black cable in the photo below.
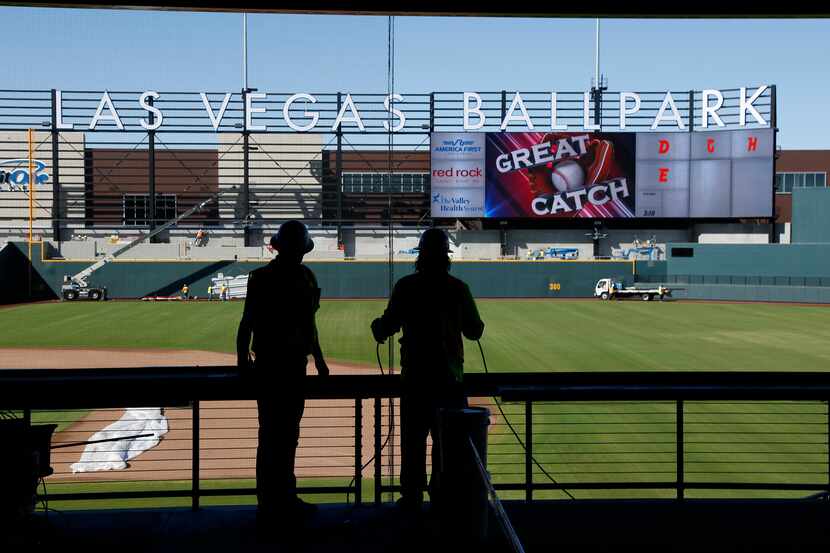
x=388, y=434
x=45, y=498
x=513, y=430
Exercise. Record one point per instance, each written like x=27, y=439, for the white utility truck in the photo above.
x=608, y=288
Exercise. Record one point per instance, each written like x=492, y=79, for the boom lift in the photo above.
x=77, y=286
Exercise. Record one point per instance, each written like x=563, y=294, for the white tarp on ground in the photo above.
x=114, y=455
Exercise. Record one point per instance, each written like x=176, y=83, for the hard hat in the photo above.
x=434, y=240
x=293, y=236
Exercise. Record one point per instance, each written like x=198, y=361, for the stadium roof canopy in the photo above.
x=526, y=8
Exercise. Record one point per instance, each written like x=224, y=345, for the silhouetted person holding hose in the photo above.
x=280, y=307
x=434, y=310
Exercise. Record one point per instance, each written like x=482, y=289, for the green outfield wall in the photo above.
x=750, y=260
x=764, y=272
x=811, y=223
x=343, y=279
x=749, y=272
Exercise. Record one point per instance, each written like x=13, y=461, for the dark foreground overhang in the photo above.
x=689, y=526
x=731, y=9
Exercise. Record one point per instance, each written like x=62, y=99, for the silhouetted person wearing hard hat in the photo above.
x=280, y=307
x=434, y=310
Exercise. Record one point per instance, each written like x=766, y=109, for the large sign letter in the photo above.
x=215, y=120
x=668, y=102
x=106, y=102
x=142, y=101
x=286, y=112
x=395, y=112
x=554, y=126
x=58, y=122
x=509, y=117
x=354, y=118
x=746, y=105
x=624, y=98
x=586, y=114
x=249, y=111
x=476, y=110
x=707, y=109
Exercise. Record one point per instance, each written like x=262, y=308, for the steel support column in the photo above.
x=692, y=227
x=245, y=193
x=151, y=175
x=773, y=236
x=57, y=211
x=338, y=169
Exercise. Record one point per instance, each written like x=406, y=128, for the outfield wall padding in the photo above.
x=732, y=292
x=773, y=260
x=786, y=273
x=750, y=272
x=811, y=224
x=345, y=279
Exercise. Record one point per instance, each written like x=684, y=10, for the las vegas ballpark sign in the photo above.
x=298, y=111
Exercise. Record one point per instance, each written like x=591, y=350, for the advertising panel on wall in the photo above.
x=719, y=174
x=457, y=174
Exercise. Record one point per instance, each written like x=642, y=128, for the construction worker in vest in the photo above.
x=279, y=314
x=223, y=292
x=186, y=291
x=210, y=292
x=434, y=310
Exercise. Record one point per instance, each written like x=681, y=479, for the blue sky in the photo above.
x=139, y=50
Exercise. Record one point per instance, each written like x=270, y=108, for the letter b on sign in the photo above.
x=710, y=145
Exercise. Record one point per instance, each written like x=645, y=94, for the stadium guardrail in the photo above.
x=583, y=435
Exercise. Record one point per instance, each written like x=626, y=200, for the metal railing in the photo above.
x=584, y=435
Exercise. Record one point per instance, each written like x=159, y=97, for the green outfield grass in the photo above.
x=603, y=442
x=527, y=335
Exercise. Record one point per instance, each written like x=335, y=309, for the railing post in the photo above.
x=194, y=476
x=378, y=453
x=828, y=447
x=680, y=483
x=358, y=451
x=528, y=450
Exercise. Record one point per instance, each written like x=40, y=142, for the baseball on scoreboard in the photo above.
x=720, y=174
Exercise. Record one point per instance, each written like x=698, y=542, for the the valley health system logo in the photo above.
x=14, y=174
x=457, y=174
